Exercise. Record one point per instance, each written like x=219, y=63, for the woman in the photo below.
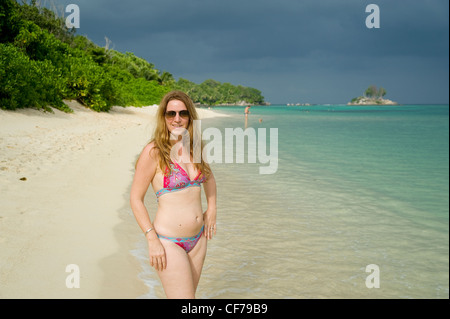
x=177, y=238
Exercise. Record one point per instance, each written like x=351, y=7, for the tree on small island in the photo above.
x=372, y=96
x=373, y=92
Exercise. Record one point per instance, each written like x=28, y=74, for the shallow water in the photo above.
x=355, y=186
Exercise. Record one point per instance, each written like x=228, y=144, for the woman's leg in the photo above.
x=180, y=278
x=177, y=277
x=196, y=259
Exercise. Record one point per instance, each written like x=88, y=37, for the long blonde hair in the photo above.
x=161, y=136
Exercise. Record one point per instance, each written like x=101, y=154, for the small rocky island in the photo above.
x=372, y=96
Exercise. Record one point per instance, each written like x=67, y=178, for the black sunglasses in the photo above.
x=183, y=114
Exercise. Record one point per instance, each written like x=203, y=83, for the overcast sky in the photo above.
x=306, y=51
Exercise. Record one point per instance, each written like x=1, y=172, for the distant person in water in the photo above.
x=178, y=236
x=247, y=112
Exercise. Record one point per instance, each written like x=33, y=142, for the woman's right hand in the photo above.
x=157, y=254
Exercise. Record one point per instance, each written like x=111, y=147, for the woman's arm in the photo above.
x=143, y=176
x=209, y=216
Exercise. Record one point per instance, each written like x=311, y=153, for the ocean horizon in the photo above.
x=359, y=198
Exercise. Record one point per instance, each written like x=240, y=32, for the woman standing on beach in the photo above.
x=177, y=239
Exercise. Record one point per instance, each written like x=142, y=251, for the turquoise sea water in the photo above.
x=355, y=186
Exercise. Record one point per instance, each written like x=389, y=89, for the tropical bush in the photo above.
x=212, y=92
x=28, y=83
x=42, y=63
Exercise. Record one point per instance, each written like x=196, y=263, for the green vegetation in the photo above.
x=42, y=62
x=372, y=96
x=374, y=93
x=212, y=92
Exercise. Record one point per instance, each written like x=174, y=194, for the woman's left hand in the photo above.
x=209, y=218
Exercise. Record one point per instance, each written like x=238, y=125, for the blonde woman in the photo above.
x=177, y=238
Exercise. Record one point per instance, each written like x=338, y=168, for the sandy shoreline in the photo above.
x=78, y=169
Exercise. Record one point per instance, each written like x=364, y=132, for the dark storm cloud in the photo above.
x=297, y=26
x=251, y=42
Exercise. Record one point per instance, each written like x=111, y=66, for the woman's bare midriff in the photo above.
x=179, y=213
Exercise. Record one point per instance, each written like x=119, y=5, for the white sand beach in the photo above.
x=63, y=180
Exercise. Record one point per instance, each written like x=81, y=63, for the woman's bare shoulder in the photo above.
x=149, y=157
x=151, y=151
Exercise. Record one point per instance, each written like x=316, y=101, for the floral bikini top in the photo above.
x=178, y=180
